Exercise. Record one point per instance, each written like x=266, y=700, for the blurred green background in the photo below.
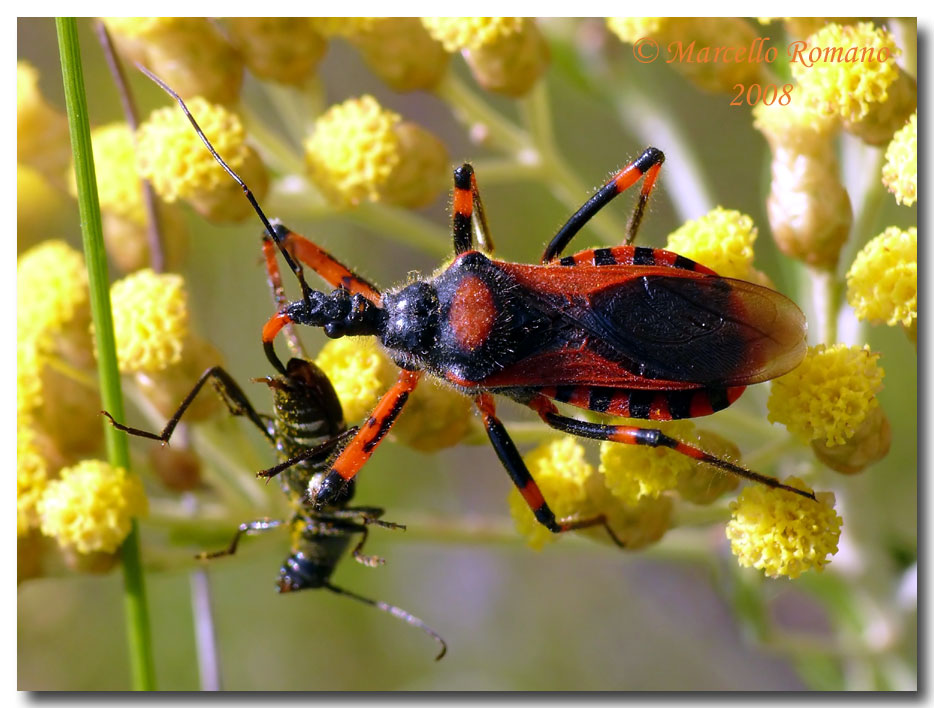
x=579, y=615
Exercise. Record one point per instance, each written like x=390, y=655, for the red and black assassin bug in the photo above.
x=626, y=331
x=306, y=429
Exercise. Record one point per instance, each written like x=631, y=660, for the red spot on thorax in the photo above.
x=472, y=313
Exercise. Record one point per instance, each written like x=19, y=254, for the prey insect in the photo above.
x=624, y=331
x=306, y=430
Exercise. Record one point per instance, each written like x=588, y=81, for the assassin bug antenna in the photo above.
x=396, y=612
x=270, y=229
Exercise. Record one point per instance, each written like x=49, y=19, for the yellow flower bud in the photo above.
x=360, y=151
x=900, y=173
x=506, y=55
x=434, y=417
x=32, y=476
x=359, y=372
x=91, y=507
x=882, y=283
x=189, y=53
x=782, y=533
x=284, y=49
x=52, y=294
x=150, y=316
x=869, y=444
x=850, y=71
x=829, y=395
x=171, y=155
x=633, y=472
x=400, y=51
x=721, y=240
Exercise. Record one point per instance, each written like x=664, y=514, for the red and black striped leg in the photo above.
x=368, y=437
x=467, y=207
x=246, y=528
x=648, y=163
x=522, y=478
x=332, y=271
x=462, y=208
x=274, y=278
x=232, y=395
x=633, y=435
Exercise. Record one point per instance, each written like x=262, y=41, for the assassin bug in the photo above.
x=308, y=426
x=627, y=331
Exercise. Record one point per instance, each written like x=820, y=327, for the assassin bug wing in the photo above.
x=708, y=330
x=652, y=327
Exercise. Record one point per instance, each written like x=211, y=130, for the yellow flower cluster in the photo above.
x=171, y=155
x=574, y=491
x=506, y=55
x=32, y=475
x=633, y=472
x=284, y=49
x=562, y=474
x=471, y=33
x=51, y=291
x=632, y=29
x=900, y=172
x=150, y=316
x=191, y=54
x=28, y=382
x=360, y=151
x=829, y=395
x=359, y=372
x=118, y=184
x=721, y=240
x=848, y=89
x=149, y=27
x=782, y=533
x=354, y=150
x=882, y=283
x=91, y=507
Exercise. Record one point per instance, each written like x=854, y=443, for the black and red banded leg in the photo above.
x=647, y=164
x=522, y=478
x=634, y=435
x=466, y=205
x=346, y=466
x=332, y=271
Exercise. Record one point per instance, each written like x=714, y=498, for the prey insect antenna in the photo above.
x=293, y=265
x=396, y=612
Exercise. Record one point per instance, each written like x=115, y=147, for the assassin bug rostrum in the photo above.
x=306, y=429
x=627, y=331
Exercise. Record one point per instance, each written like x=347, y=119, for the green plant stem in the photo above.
x=471, y=110
x=138, y=629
